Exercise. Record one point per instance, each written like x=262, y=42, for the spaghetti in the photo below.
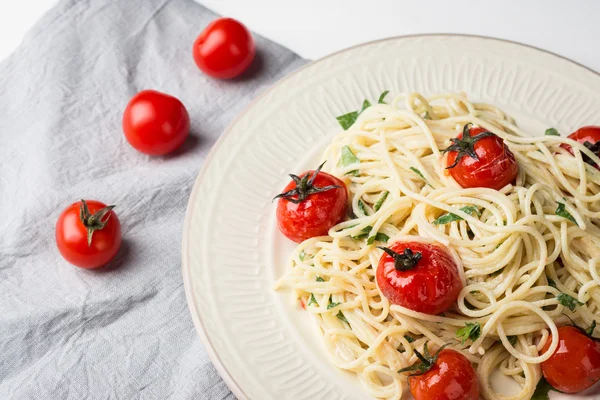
x=521, y=251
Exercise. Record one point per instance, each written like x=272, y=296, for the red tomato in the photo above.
x=88, y=234
x=589, y=135
x=575, y=365
x=420, y=276
x=155, y=123
x=311, y=204
x=224, y=49
x=450, y=377
x=478, y=158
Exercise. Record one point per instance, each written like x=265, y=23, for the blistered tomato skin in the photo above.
x=451, y=378
x=575, y=365
x=494, y=167
x=431, y=287
x=317, y=213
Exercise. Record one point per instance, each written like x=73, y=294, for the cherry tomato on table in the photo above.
x=155, y=123
x=575, y=365
x=589, y=136
x=311, y=204
x=447, y=375
x=478, y=158
x=420, y=276
x=88, y=234
x=224, y=49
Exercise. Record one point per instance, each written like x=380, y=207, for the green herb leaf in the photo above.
x=364, y=233
x=382, y=97
x=590, y=331
x=319, y=279
x=426, y=116
x=568, y=301
x=380, y=237
x=331, y=305
x=416, y=171
x=366, y=104
x=551, y=132
x=552, y=283
x=302, y=255
x=541, y=390
x=409, y=339
x=312, y=299
x=450, y=217
x=381, y=200
x=341, y=316
x=348, y=158
x=562, y=212
x=362, y=208
x=347, y=120
x=512, y=339
x=469, y=331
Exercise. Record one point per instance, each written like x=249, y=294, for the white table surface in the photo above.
x=314, y=28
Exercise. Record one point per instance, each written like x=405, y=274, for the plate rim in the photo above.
x=185, y=264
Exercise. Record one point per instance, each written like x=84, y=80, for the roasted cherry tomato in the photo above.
x=478, y=158
x=88, y=234
x=589, y=136
x=155, y=123
x=420, y=276
x=311, y=204
x=224, y=49
x=448, y=376
x=575, y=365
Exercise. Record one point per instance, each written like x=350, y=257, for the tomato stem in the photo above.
x=427, y=361
x=93, y=222
x=405, y=261
x=594, y=148
x=304, y=187
x=465, y=146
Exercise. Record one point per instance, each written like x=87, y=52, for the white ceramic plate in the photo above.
x=263, y=346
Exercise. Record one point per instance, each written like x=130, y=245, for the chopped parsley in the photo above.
x=469, y=331
x=341, y=316
x=312, y=299
x=347, y=120
x=568, y=301
x=381, y=200
x=379, y=237
x=416, y=171
x=450, y=217
x=382, y=97
x=362, y=208
x=319, y=279
x=551, y=132
x=562, y=212
x=348, y=158
x=364, y=233
x=590, y=331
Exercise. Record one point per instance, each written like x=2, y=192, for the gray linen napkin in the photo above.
x=124, y=332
